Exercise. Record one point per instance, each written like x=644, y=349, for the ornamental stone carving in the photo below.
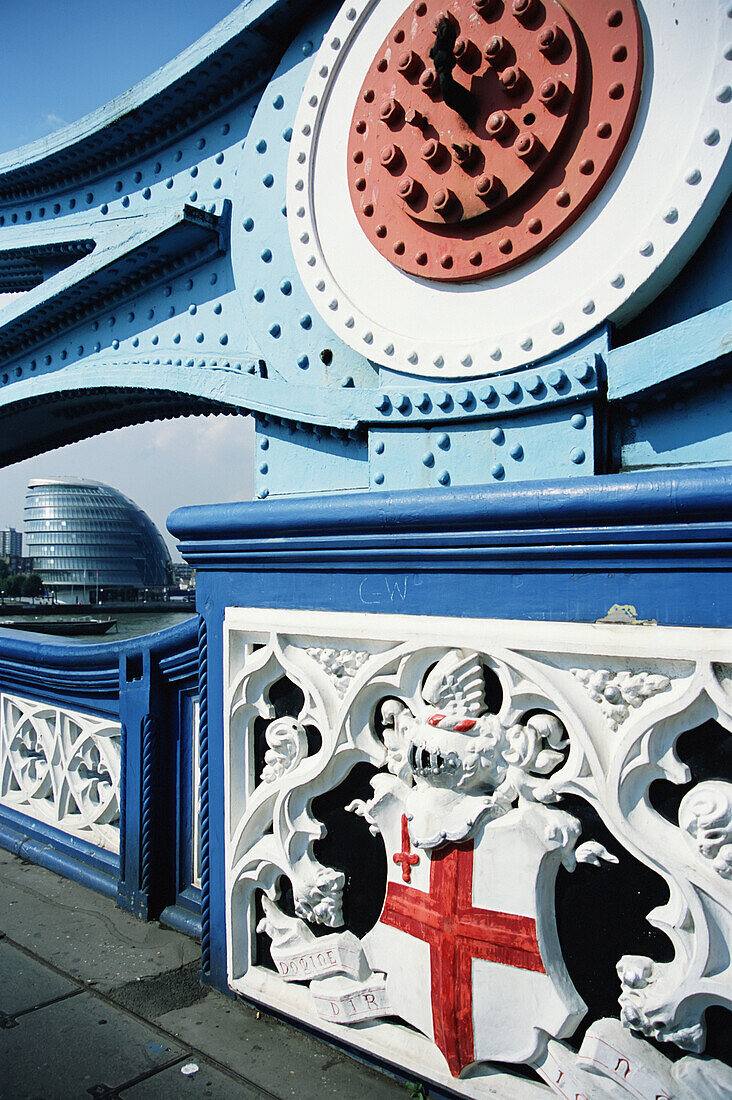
x=61, y=767
x=472, y=794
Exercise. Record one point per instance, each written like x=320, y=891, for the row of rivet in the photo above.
x=509, y=389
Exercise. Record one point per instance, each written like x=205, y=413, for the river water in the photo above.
x=130, y=624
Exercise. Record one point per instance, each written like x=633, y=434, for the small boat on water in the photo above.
x=69, y=628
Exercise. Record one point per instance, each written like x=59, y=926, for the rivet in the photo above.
x=616, y=91
x=557, y=379
x=268, y=180
x=421, y=258
x=534, y=226
x=399, y=247
x=604, y=130
x=358, y=156
x=259, y=294
x=464, y=397
x=368, y=209
x=724, y=95
x=275, y=330
x=584, y=372
x=446, y=260
x=263, y=493
x=578, y=420
x=266, y=255
x=693, y=177
x=351, y=14
x=388, y=349
x=646, y=249
x=534, y=385
x=498, y=436
x=360, y=127
x=402, y=402
x=505, y=246
x=383, y=404
x=671, y=215
x=614, y=17
x=517, y=451
x=248, y=225
x=264, y=444
x=444, y=477
x=287, y=134
x=484, y=7
x=428, y=459
x=497, y=471
x=368, y=337
x=424, y=403
x=381, y=231
x=511, y=390
x=443, y=440
x=439, y=360
x=379, y=478
x=382, y=65
x=286, y=286
x=320, y=285
x=261, y=146
x=475, y=258
x=313, y=101
x=444, y=400
x=361, y=184
x=263, y=468
x=558, y=328
x=303, y=362
x=496, y=353
x=577, y=455
x=489, y=396
x=563, y=198
x=379, y=448
x=333, y=304
x=589, y=306
x=104, y=209
x=587, y=166
x=618, y=281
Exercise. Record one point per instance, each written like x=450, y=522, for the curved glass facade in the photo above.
x=85, y=536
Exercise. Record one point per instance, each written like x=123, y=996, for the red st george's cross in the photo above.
x=457, y=933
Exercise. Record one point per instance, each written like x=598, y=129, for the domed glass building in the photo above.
x=89, y=541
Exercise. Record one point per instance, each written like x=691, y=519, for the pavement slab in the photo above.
x=128, y=1012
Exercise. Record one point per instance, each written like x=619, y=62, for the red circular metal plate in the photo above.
x=554, y=90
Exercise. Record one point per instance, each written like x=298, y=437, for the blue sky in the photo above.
x=59, y=60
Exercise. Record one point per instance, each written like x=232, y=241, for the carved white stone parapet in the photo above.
x=467, y=801
x=61, y=767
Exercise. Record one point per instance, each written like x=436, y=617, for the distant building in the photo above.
x=11, y=543
x=90, y=543
x=182, y=575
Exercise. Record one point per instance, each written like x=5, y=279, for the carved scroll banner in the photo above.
x=468, y=749
x=61, y=767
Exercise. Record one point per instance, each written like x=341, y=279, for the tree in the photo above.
x=32, y=585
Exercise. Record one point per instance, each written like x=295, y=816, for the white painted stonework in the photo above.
x=61, y=767
x=463, y=967
x=662, y=197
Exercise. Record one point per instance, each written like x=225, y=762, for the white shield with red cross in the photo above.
x=467, y=935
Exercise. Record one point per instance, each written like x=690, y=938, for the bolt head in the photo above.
x=428, y=81
x=391, y=157
x=389, y=111
x=464, y=153
x=528, y=147
x=432, y=151
x=495, y=49
x=551, y=40
x=408, y=63
x=409, y=190
x=551, y=92
x=525, y=10
x=497, y=124
x=512, y=80
x=488, y=187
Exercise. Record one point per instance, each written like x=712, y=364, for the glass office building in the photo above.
x=89, y=542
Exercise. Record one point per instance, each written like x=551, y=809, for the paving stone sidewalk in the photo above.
x=94, y=1003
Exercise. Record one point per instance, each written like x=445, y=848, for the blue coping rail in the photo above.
x=148, y=684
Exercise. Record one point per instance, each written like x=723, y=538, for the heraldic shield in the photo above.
x=473, y=956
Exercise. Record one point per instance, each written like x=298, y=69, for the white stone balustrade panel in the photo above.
x=464, y=967
x=61, y=767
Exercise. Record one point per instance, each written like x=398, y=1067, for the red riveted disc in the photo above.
x=554, y=89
